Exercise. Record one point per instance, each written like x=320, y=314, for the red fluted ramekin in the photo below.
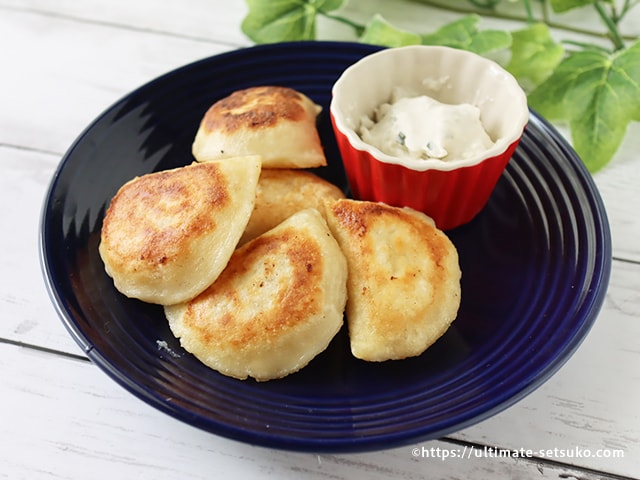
x=451, y=192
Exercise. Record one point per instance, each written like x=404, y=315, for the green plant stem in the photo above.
x=586, y=46
x=614, y=34
x=527, y=6
x=486, y=4
x=520, y=18
x=628, y=5
x=359, y=29
x=544, y=6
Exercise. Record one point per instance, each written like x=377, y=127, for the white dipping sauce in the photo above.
x=420, y=127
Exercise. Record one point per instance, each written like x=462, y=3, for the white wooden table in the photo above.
x=61, y=63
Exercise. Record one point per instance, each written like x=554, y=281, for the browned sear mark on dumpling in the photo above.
x=167, y=235
x=404, y=278
x=278, y=303
x=277, y=123
x=257, y=107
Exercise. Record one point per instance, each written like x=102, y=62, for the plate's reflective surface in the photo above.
x=535, y=266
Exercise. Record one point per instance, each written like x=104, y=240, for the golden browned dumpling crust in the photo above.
x=166, y=236
x=283, y=192
x=277, y=304
x=277, y=123
x=404, y=278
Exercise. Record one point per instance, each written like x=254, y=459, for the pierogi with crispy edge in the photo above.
x=167, y=235
x=404, y=278
x=275, y=307
x=283, y=192
x=277, y=123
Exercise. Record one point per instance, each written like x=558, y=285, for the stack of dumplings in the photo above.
x=255, y=260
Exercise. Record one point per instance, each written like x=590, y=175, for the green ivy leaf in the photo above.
x=380, y=32
x=560, y=6
x=487, y=41
x=534, y=55
x=464, y=34
x=284, y=20
x=599, y=94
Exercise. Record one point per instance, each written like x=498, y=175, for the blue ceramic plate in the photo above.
x=535, y=264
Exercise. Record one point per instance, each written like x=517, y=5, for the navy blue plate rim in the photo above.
x=544, y=166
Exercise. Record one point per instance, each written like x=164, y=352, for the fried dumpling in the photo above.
x=275, y=307
x=283, y=192
x=167, y=235
x=404, y=278
x=278, y=123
